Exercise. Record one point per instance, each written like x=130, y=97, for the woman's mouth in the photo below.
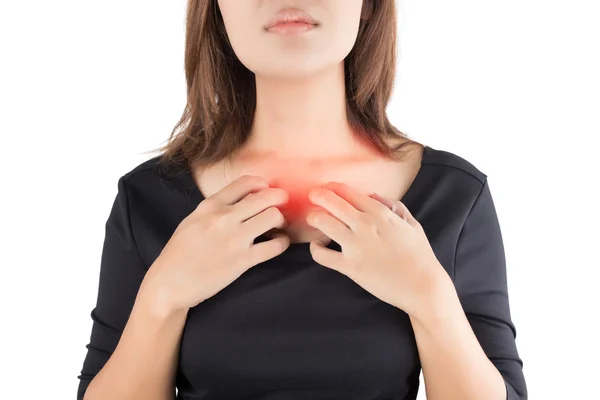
x=290, y=28
x=291, y=22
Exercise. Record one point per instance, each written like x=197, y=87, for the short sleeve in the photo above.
x=481, y=283
x=121, y=274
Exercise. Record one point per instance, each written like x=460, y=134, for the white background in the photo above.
x=512, y=86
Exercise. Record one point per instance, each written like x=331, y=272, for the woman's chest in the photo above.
x=299, y=327
x=384, y=177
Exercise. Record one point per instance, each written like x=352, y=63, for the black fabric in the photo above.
x=290, y=328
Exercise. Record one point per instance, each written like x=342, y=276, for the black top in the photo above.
x=290, y=328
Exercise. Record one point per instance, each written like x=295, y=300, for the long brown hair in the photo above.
x=221, y=91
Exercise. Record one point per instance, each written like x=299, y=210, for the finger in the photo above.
x=257, y=202
x=358, y=200
x=330, y=226
x=263, y=251
x=261, y=223
x=335, y=205
x=390, y=204
x=404, y=213
x=387, y=202
x=238, y=189
x=327, y=257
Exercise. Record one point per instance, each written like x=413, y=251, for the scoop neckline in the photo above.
x=300, y=251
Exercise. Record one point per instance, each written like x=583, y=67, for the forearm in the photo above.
x=453, y=362
x=144, y=362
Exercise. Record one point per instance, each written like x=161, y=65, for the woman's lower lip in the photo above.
x=291, y=28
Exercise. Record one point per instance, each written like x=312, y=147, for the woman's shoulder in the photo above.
x=449, y=177
x=154, y=177
x=453, y=164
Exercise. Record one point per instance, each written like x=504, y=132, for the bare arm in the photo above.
x=454, y=364
x=135, y=338
x=465, y=336
x=140, y=312
x=144, y=362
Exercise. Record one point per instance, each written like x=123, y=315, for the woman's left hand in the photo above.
x=384, y=248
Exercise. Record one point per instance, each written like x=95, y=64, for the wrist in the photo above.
x=438, y=296
x=158, y=301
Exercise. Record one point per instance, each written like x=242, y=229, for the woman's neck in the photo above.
x=302, y=117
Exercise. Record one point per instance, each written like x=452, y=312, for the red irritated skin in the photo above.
x=297, y=179
x=298, y=204
x=297, y=208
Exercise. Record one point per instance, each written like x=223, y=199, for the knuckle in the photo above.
x=249, y=199
x=205, y=206
x=389, y=217
x=255, y=197
x=247, y=178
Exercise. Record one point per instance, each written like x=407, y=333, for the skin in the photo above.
x=299, y=79
x=305, y=72
x=404, y=272
x=300, y=116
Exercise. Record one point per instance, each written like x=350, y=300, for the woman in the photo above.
x=269, y=251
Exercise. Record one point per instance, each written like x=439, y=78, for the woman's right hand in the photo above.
x=213, y=245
